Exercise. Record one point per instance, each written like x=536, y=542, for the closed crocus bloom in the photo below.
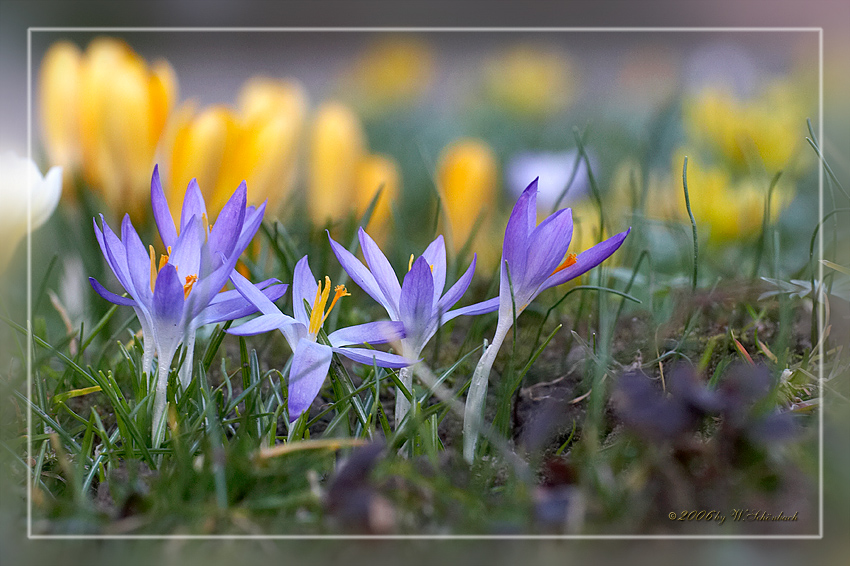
x=59, y=106
x=467, y=174
x=373, y=173
x=337, y=147
x=258, y=142
x=21, y=180
x=124, y=105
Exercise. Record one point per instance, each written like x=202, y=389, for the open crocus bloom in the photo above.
x=419, y=302
x=533, y=260
x=176, y=294
x=311, y=360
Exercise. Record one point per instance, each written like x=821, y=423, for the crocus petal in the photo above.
x=193, y=204
x=109, y=295
x=381, y=270
x=253, y=295
x=228, y=224
x=359, y=273
x=208, y=287
x=457, y=290
x=234, y=294
x=186, y=253
x=168, y=308
x=547, y=245
x=587, y=260
x=416, y=306
x=161, y=212
x=262, y=324
x=236, y=306
x=381, y=359
x=117, y=258
x=304, y=288
x=435, y=254
x=379, y=332
x=520, y=225
x=310, y=365
x=478, y=308
x=138, y=261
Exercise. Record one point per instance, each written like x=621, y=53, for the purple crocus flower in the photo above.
x=180, y=292
x=532, y=261
x=418, y=303
x=311, y=360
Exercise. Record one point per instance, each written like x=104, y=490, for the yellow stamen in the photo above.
x=155, y=269
x=318, y=316
x=410, y=264
x=571, y=259
x=187, y=287
x=206, y=222
x=153, y=266
x=339, y=291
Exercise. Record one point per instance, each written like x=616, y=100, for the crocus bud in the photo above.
x=124, y=105
x=467, y=174
x=337, y=147
x=374, y=172
x=257, y=143
x=21, y=180
x=59, y=108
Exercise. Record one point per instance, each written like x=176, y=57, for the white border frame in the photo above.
x=820, y=307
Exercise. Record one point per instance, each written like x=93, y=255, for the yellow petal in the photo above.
x=59, y=98
x=373, y=172
x=467, y=173
x=337, y=146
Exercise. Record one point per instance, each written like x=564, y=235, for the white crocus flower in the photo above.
x=20, y=179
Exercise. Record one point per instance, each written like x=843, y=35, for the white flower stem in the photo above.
x=188, y=362
x=147, y=358
x=402, y=405
x=158, y=431
x=473, y=414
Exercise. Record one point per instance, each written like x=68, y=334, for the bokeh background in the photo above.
x=417, y=94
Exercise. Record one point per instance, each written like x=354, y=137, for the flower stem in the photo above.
x=186, y=368
x=402, y=405
x=474, y=410
x=157, y=430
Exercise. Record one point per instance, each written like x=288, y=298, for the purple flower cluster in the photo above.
x=177, y=293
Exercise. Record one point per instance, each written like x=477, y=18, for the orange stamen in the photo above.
x=339, y=291
x=153, y=266
x=187, y=287
x=571, y=259
x=318, y=316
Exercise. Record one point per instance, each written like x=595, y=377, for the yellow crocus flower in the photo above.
x=373, y=172
x=124, y=105
x=59, y=103
x=337, y=148
x=258, y=143
x=467, y=174
x=343, y=176
x=103, y=112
